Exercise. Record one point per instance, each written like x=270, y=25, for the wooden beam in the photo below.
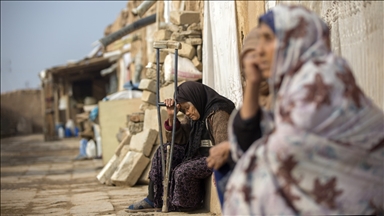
x=68, y=110
x=56, y=104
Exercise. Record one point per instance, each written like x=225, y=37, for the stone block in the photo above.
x=194, y=36
x=157, y=142
x=149, y=97
x=123, y=152
x=150, y=73
x=148, y=84
x=174, y=28
x=130, y=169
x=197, y=63
x=187, y=51
x=123, y=132
x=211, y=200
x=199, y=51
x=144, y=106
x=167, y=91
x=152, y=57
x=144, y=178
x=108, y=170
x=176, y=36
x=191, y=33
x=143, y=141
x=162, y=34
x=136, y=117
x=194, y=41
x=151, y=120
x=135, y=128
x=185, y=17
x=194, y=26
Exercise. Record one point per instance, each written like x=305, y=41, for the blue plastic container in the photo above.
x=77, y=131
x=68, y=132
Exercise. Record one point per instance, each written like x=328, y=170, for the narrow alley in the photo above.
x=41, y=178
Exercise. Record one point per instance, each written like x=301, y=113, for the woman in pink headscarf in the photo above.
x=321, y=150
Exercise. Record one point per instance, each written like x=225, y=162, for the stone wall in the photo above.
x=21, y=112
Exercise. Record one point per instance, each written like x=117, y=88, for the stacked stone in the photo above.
x=185, y=27
x=149, y=94
x=131, y=163
x=134, y=159
x=135, y=122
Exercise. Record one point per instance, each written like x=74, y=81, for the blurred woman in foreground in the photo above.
x=321, y=150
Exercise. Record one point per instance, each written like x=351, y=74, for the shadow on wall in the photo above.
x=21, y=113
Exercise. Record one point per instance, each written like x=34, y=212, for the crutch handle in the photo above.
x=163, y=104
x=167, y=45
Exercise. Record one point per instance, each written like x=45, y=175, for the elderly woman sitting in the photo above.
x=208, y=114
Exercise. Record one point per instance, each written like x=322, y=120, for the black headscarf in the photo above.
x=206, y=101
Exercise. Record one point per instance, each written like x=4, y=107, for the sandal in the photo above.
x=144, y=205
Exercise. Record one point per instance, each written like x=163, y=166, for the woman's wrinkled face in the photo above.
x=266, y=44
x=190, y=110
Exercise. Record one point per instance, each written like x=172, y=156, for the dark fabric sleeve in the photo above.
x=169, y=128
x=181, y=133
x=247, y=131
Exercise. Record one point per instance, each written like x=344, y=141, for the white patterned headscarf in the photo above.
x=322, y=147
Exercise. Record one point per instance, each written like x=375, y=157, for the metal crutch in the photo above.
x=166, y=168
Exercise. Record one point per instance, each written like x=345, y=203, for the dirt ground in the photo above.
x=41, y=178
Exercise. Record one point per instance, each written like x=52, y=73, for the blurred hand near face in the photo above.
x=218, y=155
x=251, y=70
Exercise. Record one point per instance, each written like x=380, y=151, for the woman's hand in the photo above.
x=170, y=104
x=218, y=155
x=253, y=78
x=252, y=73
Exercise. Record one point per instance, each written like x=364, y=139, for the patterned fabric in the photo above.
x=322, y=150
x=156, y=174
x=186, y=185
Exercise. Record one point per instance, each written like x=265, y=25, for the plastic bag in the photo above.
x=91, y=149
x=96, y=129
x=186, y=70
x=70, y=125
x=61, y=132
